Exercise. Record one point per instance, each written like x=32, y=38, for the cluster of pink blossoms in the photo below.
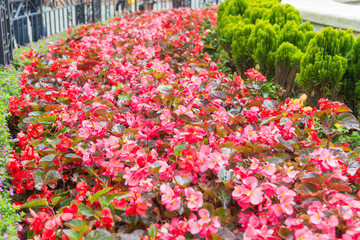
x=144, y=135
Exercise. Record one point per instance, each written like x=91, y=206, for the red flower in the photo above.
x=34, y=130
x=64, y=145
x=50, y=227
x=69, y=212
x=107, y=218
x=29, y=154
x=37, y=223
x=119, y=203
x=136, y=207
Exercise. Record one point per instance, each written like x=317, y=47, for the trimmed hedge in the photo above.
x=266, y=33
x=273, y=35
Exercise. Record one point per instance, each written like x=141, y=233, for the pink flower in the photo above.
x=166, y=171
x=249, y=134
x=183, y=110
x=194, y=225
x=254, y=163
x=329, y=225
x=269, y=169
x=252, y=114
x=270, y=134
x=221, y=116
x=284, y=192
x=326, y=159
x=174, y=204
x=204, y=215
x=290, y=172
x=315, y=212
x=304, y=234
x=112, y=142
x=195, y=200
x=290, y=222
x=171, y=203
x=168, y=194
x=249, y=192
x=254, y=74
x=256, y=196
x=286, y=205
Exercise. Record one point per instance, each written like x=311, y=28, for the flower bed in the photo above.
x=128, y=133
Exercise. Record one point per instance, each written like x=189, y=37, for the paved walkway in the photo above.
x=336, y=13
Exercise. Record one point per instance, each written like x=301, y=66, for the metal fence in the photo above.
x=25, y=21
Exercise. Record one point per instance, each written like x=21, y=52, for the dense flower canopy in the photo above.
x=129, y=129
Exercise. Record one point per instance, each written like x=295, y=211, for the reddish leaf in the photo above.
x=306, y=188
x=338, y=185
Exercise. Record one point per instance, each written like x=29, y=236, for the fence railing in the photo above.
x=25, y=21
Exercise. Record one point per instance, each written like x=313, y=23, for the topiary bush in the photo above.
x=287, y=65
x=256, y=36
x=273, y=35
x=325, y=61
x=351, y=80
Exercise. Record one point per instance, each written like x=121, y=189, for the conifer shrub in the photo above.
x=325, y=62
x=255, y=36
x=274, y=36
x=287, y=65
x=351, y=80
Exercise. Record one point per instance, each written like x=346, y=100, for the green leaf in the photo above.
x=272, y=104
x=348, y=121
x=51, y=118
x=29, y=120
x=131, y=130
x=122, y=98
x=225, y=175
x=59, y=198
x=53, y=142
x=179, y=148
x=70, y=157
x=99, y=193
x=35, y=203
x=52, y=176
x=62, y=131
x=118, y=128
x=182, y=181
x=353, y=167
x=243, y=149
x=86, y=211
x=72, y=234
x=224, y=196
x=165, y=88
x=47, y=160
x=36, y=113
x=101, y=112
x=219, y=94
x=39, y=177
x=75, y=223
x=97, y=235
x=208, y=206
x=223, y=214
x=152, y=231
x=274, y=160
